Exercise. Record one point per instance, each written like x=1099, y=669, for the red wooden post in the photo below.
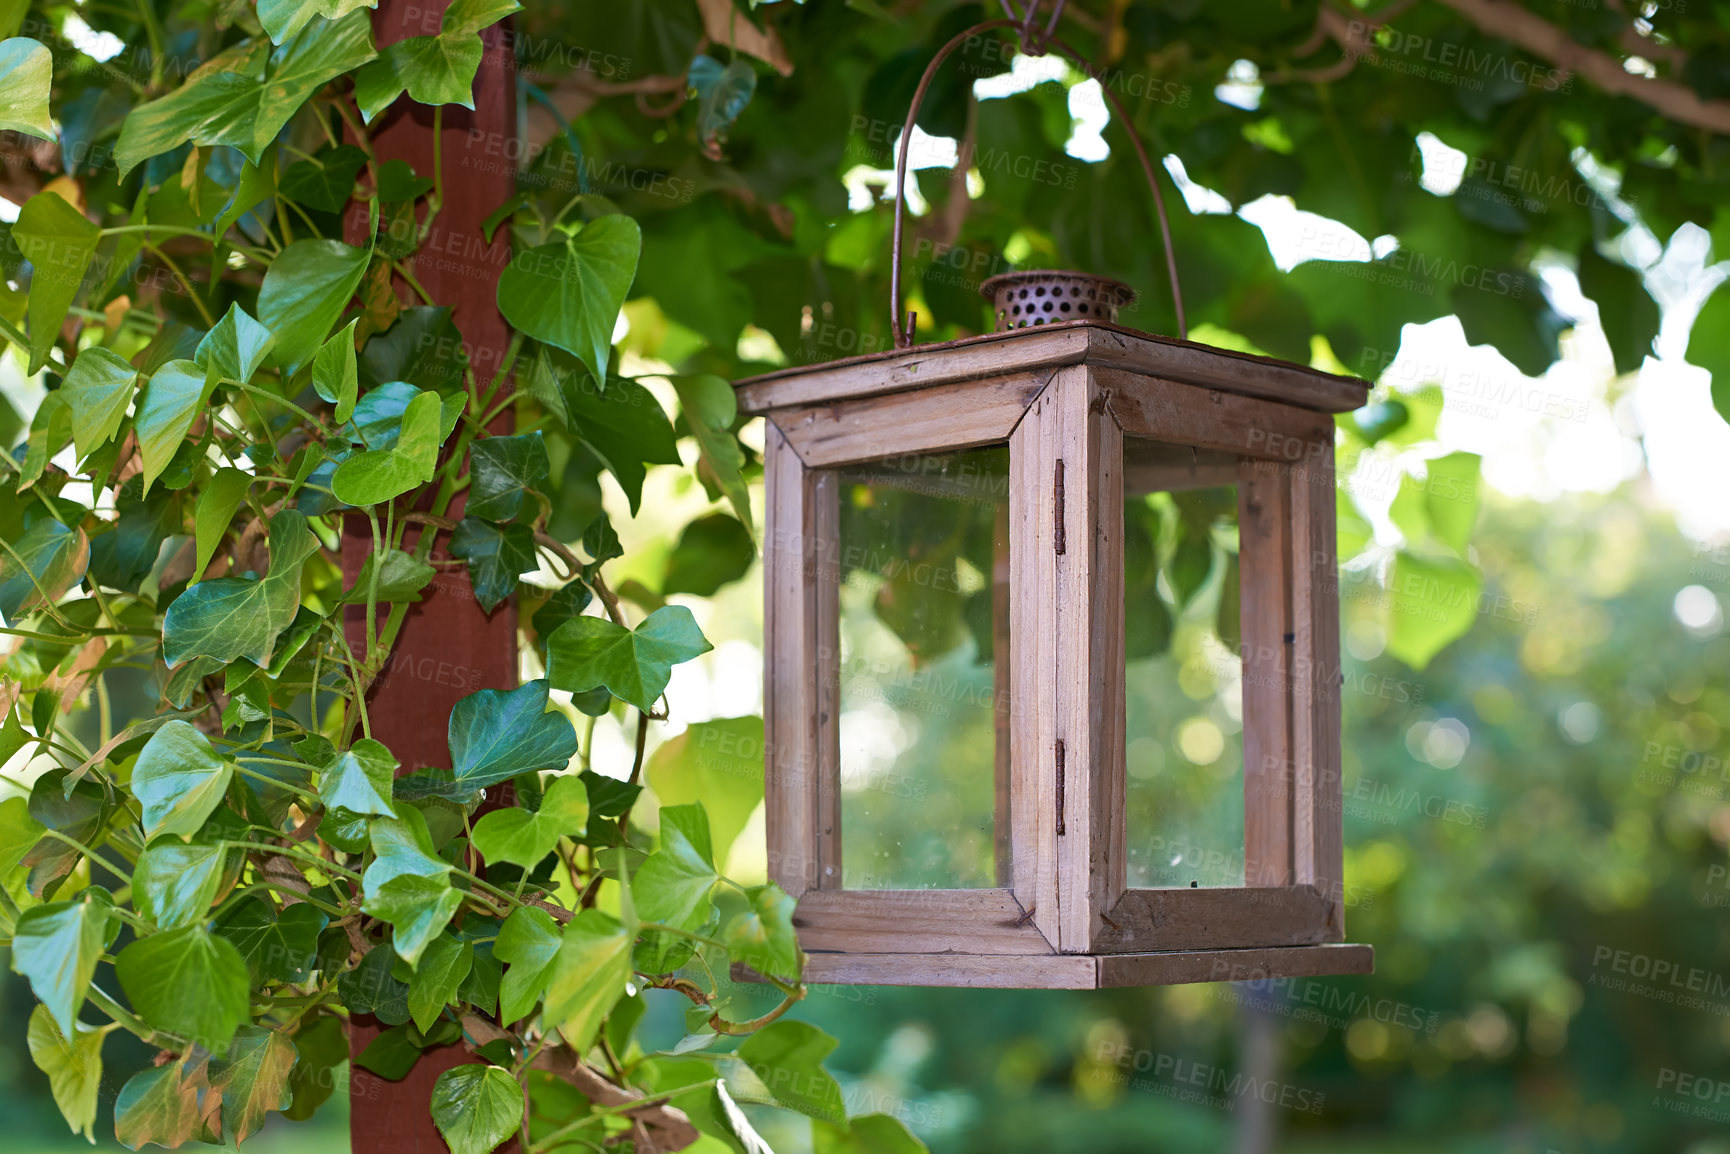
x=447, y=648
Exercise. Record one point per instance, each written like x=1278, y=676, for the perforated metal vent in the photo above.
x=1043, y=297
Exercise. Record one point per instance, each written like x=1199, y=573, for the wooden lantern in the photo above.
x=968, y=795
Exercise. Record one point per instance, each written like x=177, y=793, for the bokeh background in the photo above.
x=1536, y=820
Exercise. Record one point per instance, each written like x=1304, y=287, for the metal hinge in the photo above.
x=1059, y=753
x=1057, y=535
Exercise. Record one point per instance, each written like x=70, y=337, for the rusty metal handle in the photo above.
x=1035, y=40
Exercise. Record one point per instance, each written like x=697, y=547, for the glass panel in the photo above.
x=924, y=552
x=1183, y=676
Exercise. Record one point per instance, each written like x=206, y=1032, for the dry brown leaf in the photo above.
x=72, y=683
x=725, y=24
x=114, y=313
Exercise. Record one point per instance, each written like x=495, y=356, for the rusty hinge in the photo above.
x=1059, y=753
x=1057, y=537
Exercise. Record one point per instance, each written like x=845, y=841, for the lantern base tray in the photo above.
x=1082, y=971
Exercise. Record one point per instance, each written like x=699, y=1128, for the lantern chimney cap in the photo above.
x=1048, y=296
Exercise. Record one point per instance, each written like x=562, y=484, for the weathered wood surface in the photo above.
x=1083, y=971
x=1051, y=347
x=983, y=921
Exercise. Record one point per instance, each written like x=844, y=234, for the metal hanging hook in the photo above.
x=1035, y=41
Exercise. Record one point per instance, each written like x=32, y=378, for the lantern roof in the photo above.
x=1045, y=348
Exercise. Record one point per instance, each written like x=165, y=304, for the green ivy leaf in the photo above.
x=189, y=982
x=174, y=884
x=528, y=944
x=417, y=906
x=474, y=15
x=398, y=182
x=18, y=830
x=179, y=780
x=304, y=292
x=1355, y=533
x=1626, y=311
x=1451, y=498
x=710, y=408
x=588, y=976
x=230, y=617
x=321, y=1045
x=277, y=946
x=58, y=242
x=423, y=346
x=723, y=93
x=634, y=665
x=1709, y=346
x=244, y=97
x=569, y=293
x=380, y=475
x=601, y=541
x=26, y=73
x=255, y=185
x=38, y=568
x=401, y=577
x=377, y=419
x=719, y=763
x=1378, y=419
x=122, y=557
x=476, y=1108
x=401, y=846
x=173, y=399
x=524, y=837
x=786, y=1058
x=215, y=510
x=165, y=1105
x=98, y=388
x=283, y=18
x=370, y=988
x=76, y=809
x=325, y=181
x=711, y=552
x=50, y=431
x=866, y=1134
x=392, y=1054
x=433, y=69
x=763, y=937
x=566, y=602
x=334, y=373
x=253, y=1078
x=234, y=348
x=503, y=473
x=57, y=946
x=673, y=885
x=498, y=734
x=497, y=556
x=623, y=425
x=73, y=1066
x=1190, y=563
x=1432, y=602
x=443, y=965
x=360, y=779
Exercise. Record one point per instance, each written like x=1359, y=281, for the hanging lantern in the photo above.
x=1052, y=652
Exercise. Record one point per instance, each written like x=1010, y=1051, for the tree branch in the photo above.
x=667, y=1127
x=1521, y=26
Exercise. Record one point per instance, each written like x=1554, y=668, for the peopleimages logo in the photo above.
x=1439, y=59
x=1660, y=979
x=1170, y=1072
